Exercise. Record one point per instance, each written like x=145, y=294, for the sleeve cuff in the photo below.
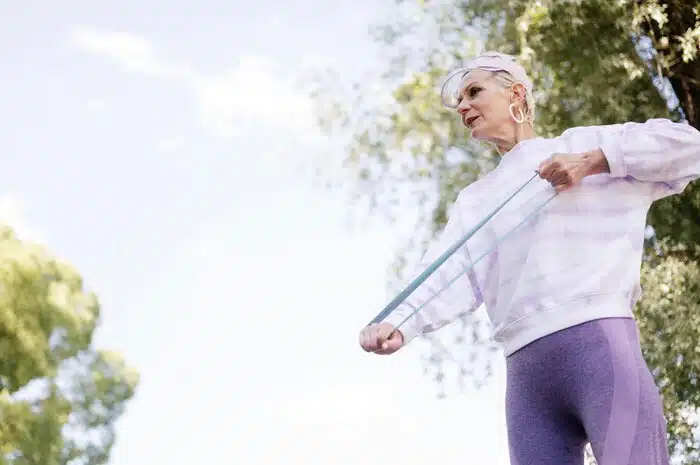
x=408, y=330
x=613, y=155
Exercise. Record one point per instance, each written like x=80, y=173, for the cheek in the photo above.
x=498, y=113
x=490, y=111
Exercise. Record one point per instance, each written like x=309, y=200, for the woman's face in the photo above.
x=483, y=106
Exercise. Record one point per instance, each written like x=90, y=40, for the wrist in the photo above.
x=596, y=162
x=399, y=335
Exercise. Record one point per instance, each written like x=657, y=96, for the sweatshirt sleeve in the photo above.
x=448, y=293
x=658, y=151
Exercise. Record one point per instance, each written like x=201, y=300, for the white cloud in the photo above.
x=131, y=51
x=253, y=92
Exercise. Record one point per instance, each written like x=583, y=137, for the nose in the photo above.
x=463, y=107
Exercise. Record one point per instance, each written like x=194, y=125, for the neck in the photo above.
x=520, y=132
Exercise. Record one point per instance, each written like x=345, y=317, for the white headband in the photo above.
x=496, y=61
x=487, y=61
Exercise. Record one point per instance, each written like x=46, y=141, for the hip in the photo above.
x=592, y=353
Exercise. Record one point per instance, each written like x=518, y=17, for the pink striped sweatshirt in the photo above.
x=579, y=258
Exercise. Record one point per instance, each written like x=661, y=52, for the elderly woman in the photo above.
x=560, y=290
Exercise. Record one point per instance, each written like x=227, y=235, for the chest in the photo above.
x=537, y=213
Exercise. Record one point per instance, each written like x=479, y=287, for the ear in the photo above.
x=518, y=93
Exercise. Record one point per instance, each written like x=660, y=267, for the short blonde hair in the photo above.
x=506, y=80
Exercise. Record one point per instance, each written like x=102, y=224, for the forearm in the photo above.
x=433, y=307
x=447, y=293
x=656, y=151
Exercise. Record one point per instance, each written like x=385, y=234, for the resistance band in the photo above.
x=403, y=295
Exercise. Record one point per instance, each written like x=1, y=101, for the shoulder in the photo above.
x=474, y=195
x=579, y=131
x=468, y=196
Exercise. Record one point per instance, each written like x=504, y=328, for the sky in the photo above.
x=166, y=151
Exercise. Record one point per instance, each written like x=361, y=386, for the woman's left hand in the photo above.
x=564, y=170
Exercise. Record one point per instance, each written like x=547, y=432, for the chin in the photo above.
x=482, y=134
x=478, y=135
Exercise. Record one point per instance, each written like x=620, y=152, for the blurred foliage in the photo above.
x=669, y=324
x=60, y=397
x=592, y=62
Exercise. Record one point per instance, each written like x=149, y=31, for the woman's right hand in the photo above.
x=381, y=339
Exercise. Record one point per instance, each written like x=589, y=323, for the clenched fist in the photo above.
x=381, y=339
x=564, y=171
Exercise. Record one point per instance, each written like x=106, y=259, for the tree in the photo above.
x=60, y=397
x=593, y=62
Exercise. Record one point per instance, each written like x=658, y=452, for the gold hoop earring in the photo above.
x=520, y=120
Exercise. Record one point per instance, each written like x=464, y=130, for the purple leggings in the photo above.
x=588, y=383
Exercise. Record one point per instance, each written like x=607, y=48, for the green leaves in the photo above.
x=60, y=397
x=42, y=299
x=669, y=323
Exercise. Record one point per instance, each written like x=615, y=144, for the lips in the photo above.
x=469, y=121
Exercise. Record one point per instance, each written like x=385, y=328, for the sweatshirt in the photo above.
x=577, y=259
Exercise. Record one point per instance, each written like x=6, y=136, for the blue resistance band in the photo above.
x=401, y=297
